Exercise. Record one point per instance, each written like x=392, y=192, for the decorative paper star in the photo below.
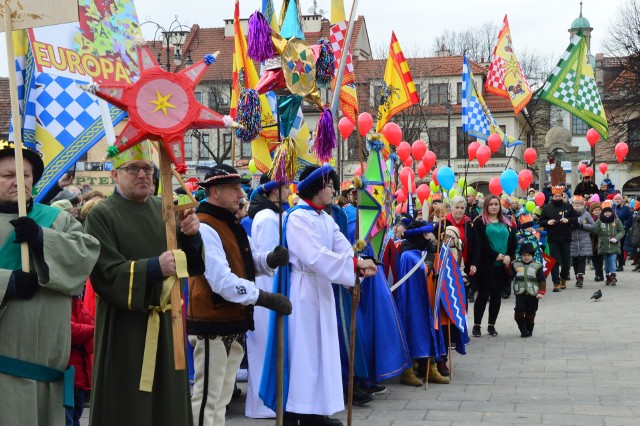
x=138, y=100
x=162, y=103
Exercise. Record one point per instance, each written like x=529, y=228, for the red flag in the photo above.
x=548, y=263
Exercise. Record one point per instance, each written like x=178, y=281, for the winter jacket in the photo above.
x=605, y=232
x=580, y=235
x=586, y=188
x=482, y=255
x=82, y=325
x=634, y=234
x=559, y=232
x=625, y=215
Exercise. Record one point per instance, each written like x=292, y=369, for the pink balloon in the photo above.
x=422, y=170
x=358, y=171
x=403, y=150
x=434, y=176
x=472, y=149
x=525, y=177
x=539, y=199
x=418, y=149
x=494, y=186
x=365, y=121
x=592, y=137
x=530, y=156
x=483, y=154
x=429, y=159
x=423, y=192
x=345, y=126
x=408, y=162
x=603, y=168
x=621, y=150
x=494, y=142
x=392, y=133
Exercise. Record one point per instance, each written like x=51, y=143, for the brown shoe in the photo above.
x=556, y=288
x=409, y=378
x=563, y=284
x=435, y=376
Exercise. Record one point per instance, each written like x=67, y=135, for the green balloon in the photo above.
x=434, y=187
x=453, y=192
x=530, y=206
x=252, y=166
x=462, y=182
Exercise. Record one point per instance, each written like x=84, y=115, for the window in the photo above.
x=438, y=94
x=502, y=151
x=439, y=142
x=462, y=142
x=203, y=145
x=198, y=96
x=216, y=99
x=226, y=142
x=633, y=139
x=375, y=93
x=188, y=147
x=578, y=127
x=246, y=149
x=458, y=93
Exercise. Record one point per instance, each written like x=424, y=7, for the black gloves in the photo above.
x=274, y=301
x=278, y=257
x=22, y=285
x=27, y=230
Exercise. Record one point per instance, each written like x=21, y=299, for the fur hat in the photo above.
x=594, y=206
x=527, y=247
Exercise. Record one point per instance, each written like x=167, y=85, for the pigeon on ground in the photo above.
x=597, y=295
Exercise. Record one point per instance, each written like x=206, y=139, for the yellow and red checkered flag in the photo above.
x=505, y=77
x=244, y=72
x=398, y=90
x=348, y=95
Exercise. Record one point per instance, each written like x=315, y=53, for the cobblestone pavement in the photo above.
x=581, y=367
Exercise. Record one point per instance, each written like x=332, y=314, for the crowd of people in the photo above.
x=96, y=295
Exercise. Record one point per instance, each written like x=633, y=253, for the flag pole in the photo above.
x=449, y=348
x=16, y=121
x=343, y=60
x=279, y=317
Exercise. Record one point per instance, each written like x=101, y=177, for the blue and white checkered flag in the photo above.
x=474, y=119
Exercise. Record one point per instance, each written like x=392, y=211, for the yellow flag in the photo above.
x=337, y=11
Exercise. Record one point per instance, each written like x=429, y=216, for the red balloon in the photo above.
x=423, y=192
x=603, y=168
x=401, y=208
x=408, y=162
x=530, y=156
x=494, y=142
x=434, y=176
x=582, y=167
x=621, y=150
x=345, y=126
x=422, y=170
x=400, y=197
x=418, y=149
x=365, y=121
x=592, y=137
x=472, y=149
x=429, y=159
x=539, y=199
x=392, y=133
x=483, y=154
x=588, y=171
x=494, y=186
x=359, y=171
x=407, y=173
x=403, y=150
x=525, y=177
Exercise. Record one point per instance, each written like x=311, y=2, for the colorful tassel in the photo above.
x=181, y=169
x=325, y=137
x=259, y=44
x=209, y=59
x=325, y=65
x=375, y=142
x=357, y=182
x=285, y=161
x=112, y=151
x=249, y=113
x=359, y=246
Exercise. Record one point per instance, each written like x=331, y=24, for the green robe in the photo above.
x=39, y=330
x=130, y=231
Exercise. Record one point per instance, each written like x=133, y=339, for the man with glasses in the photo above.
x=135, y=381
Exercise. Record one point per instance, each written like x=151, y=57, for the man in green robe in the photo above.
x=129, y=280
x=35, y=306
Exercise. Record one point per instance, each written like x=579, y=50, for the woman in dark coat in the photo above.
x=493, y=249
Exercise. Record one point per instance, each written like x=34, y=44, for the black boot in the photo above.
x=317, y=420
x=290, y=419
x=492, y=330
x=531, y=323
x=475, y=331
x=519, y=317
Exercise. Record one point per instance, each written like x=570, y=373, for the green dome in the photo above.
x=580, y=22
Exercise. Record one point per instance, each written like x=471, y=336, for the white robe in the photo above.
x=264, y=237
x=319, y=255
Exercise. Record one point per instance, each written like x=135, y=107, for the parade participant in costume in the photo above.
x=529, y=286
x=264, y=210
x=624, y=213
x=586, y=188
x=135, y=381
x=494, y=245
x=414, y=304
x=527, y=234
x=581, y=239
x=35, y=306
x=610, y=231
x=558, y=218
x=221, y=301
x=319, y=255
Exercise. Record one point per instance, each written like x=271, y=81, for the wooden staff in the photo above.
x=436, y=262
x=279, y=317
x=16, y=122
x=449, y=348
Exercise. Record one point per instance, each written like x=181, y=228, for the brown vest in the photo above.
x=208, y=313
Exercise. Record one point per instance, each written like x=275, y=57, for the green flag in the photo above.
x=572, y=87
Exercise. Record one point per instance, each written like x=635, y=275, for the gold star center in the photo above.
x=162, y=103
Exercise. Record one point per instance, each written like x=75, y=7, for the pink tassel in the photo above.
x=260, y=46
x=325, y=137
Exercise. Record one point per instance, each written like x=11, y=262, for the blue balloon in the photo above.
x=446, y=177
x=509, y=181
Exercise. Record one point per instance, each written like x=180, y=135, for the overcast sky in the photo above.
x=539, y=25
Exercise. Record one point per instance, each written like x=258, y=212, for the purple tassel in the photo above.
x=260, y=46
x=280, y=170
x=325, y=136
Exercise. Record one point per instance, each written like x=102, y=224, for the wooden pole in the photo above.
x=16, y=121
x=169, y=218
x=233, y=148
x=343, y=59
x=279, y=317
x=449, y=349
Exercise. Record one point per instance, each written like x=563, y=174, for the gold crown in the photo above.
x=557, y=190
x=525, y=218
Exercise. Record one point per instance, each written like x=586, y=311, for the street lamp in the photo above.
x=175, y=36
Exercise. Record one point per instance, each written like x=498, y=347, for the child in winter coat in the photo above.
x=581, y=239
x=529, y=286
x=528, y=234
x=610, y=231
